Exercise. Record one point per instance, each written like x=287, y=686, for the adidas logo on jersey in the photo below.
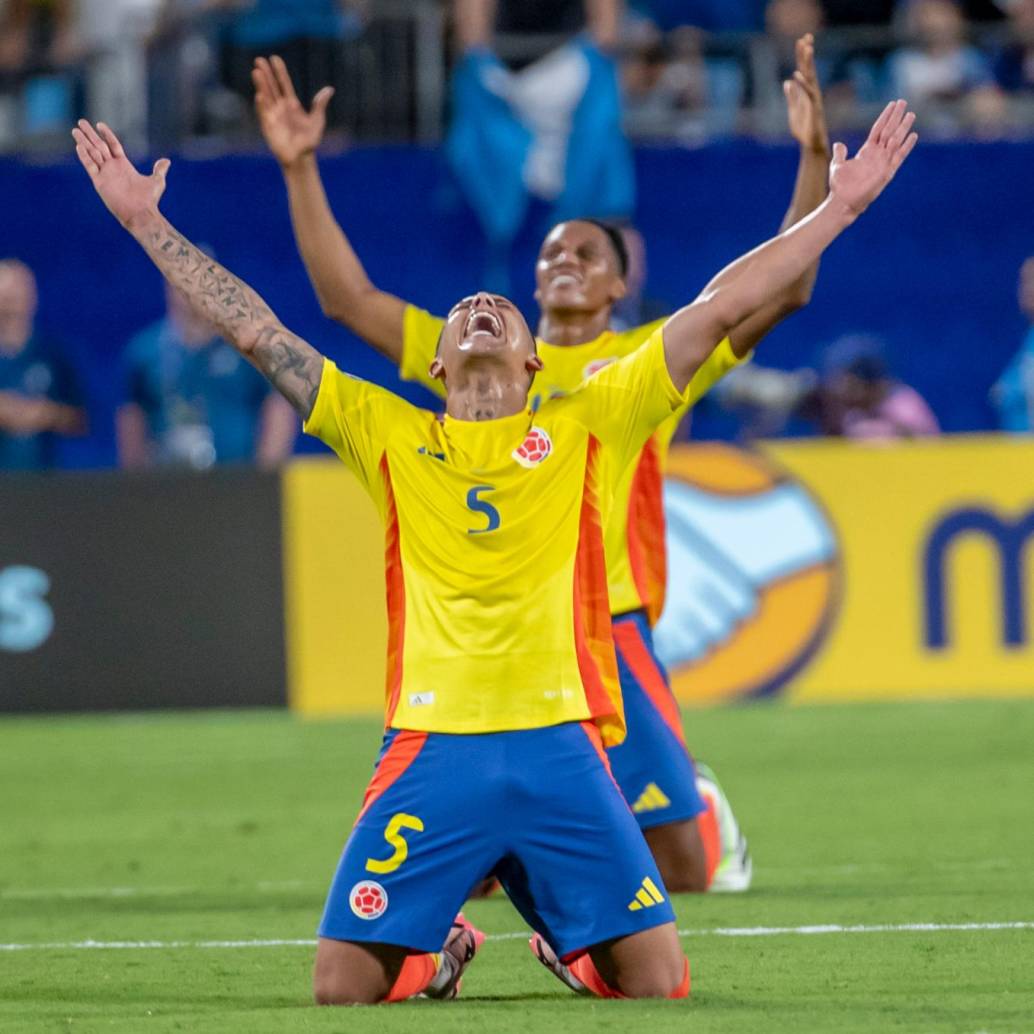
x=652, y=798
x=646, y=896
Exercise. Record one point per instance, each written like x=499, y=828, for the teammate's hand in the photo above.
x=807, y=114
x=127, y=193
x=290, y=131
x=857, y=182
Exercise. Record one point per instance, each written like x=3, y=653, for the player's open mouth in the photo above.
x=484, y=323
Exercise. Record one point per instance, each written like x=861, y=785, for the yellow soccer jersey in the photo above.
x=496, y=580
x=634, y=522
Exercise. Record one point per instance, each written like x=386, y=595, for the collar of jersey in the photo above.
x=482, y=439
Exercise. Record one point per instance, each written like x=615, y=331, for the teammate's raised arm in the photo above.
x=807, y=122
x=691, y=334
x=341, y=284
x=241, y=316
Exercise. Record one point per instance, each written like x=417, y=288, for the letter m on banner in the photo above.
x=1009, y=538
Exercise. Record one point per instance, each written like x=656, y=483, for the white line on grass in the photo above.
x=721, y=931
x=86, y=893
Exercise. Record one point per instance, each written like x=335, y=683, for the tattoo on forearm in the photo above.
x=239, y=314
x=293, y=366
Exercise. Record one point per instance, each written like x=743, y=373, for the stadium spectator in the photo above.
x=307, y=34
x=114, y=32
x=39, y=394
x=1014, y=65
x=192, y=401
x=852, y=396
x=1013, y=392
x=786, y=21
x=39, y=48
x=665, y=84
x=940, y=70
x=858, y=398
x=551, y=131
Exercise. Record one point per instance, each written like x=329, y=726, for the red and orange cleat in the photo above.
x=461, y=946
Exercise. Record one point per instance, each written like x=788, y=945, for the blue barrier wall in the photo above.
x=932, y=267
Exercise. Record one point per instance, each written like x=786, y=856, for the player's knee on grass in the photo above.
x=680, y=854
x=346, y=973
x=649, y=964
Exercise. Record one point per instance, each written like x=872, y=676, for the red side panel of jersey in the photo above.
x=597, y=663
x=395, y=590
x=637, y=656
x=645, y=536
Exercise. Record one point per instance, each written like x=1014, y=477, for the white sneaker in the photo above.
x=735, y=868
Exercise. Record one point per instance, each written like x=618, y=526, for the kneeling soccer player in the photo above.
x=502, y=680
x=581, y=275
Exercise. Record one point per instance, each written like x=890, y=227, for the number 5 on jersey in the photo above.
x=479, y=505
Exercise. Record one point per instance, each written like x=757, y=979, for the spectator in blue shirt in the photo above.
x=192, y=401
x=1014, y=66
x=941, y=66
x=1013, y=392
x=39, y=395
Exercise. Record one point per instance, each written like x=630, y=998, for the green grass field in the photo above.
x=182, y=830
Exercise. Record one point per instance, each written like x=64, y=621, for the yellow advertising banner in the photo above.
x=337, y=626
x=819, y=570
x=830, y=570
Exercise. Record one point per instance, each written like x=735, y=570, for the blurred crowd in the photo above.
x=964, y=65
x=188, y=398
x=165, y=71
x=550, y=88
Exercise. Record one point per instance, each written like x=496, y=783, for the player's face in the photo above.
x=486, y=330
x=1027, y=288
x=577, y=270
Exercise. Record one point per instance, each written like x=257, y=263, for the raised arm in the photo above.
x=692, y=333
x=341, y=284
x=807, y=119
x=292, y=365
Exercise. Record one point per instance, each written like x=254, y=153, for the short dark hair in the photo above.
x=617, y=241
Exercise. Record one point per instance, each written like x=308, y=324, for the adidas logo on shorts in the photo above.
x=646, y=896
x=652, y=798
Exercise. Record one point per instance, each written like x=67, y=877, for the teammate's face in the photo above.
x=488, y=331
x=577, y=270
x=1027, y=288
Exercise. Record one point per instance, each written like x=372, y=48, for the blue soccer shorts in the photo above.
x=538, y=808
x=652, y=766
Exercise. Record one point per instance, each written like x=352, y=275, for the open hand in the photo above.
x=805, y=109
x=127, y=193
x=289, y=130
x=857, y=182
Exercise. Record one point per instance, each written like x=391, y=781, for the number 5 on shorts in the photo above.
x=392, y=833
